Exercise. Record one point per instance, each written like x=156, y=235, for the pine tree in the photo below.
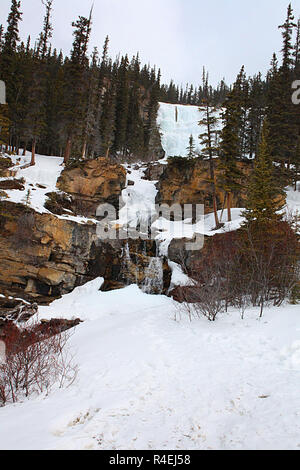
x=191, y=148
x=263, y=197
x=107, y=121
x=151, y=113
x=1, y=37
x=4, y=125
x=46, y=34
x=9, y=65
x=230, y=147
x=281, y=112
x=122, y=101
x=210, y=149
x=75, y=89
x=91, y=124
x=287, y=33
x=35, y=120
x=12, y=34
x=296, y=53
x=256, y=111
x=135, y=129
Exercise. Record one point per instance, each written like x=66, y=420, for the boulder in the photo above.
x=92, y=183
x=187, y=181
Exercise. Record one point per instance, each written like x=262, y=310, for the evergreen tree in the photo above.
x=281, y=113
x=4, y=125
x=287, y=33
x=135, y=129
x=12, y=35
x=91, y=124
x=122, y=101
x=107, y=121
x=9, y=65
x=191, y=148
x=230, y=147
x=256, y=111
x=263, y=197
x=75, y=86
x=210, y=149
x=46, y=34
x=297, y=50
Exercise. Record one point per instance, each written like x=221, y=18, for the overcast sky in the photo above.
x=180, y=36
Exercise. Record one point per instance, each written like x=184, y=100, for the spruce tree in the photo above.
x=287, y=33
x=191, y=148
x=75, y=89
x=9, y=67
x=107, y=121
x=208, y=139
x=281, y=112
x=135, y=130
x=230, y=147
x=46, y=34
x=264, y=199
x=122, y=101
x=4, y=125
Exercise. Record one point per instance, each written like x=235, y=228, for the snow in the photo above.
x=44, y=173
x=293, y=200
x=179, y=278
x=147, y=381
x=138, y=199
x=150, y=379
x=176, y=133
x=186, y=229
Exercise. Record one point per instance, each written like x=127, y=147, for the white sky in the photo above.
x=180, y=36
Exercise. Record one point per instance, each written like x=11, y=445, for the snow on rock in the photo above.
x=148, y=382
x=40, y=180
x=138, y=198
x=44, y=173
x=176, y=124
x=293, y=200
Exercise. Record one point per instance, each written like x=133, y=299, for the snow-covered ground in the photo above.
x=138, y=199
x=40, y=180
x=147, y=381
x=176, y=124
x=150, y=379
x=44, y=173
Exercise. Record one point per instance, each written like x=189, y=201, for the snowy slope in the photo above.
x=176, y=123
x=138, y=199
x=40, y=180
x=149, y=382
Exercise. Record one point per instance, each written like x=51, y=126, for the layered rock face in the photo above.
x=43, y=257
x=92, y=183
x=188, y=182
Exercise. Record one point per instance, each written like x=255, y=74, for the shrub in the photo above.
x=58, y=203
x=36, y=360
x=257, y=265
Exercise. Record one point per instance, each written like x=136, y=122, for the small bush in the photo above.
x=57, y=203
x=257, y=265
x=36, y=359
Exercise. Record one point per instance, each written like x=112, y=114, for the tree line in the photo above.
x=76, y=106
x=260, y=123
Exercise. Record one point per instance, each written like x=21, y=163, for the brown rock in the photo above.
x=92, y=183
x=188, y=182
